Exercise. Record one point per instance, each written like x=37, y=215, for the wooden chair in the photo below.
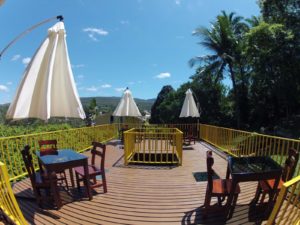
x=98, y=150
x=49, y=147
x=189, y=136
x=265, y=186
x=219, y=188
x=40, y=181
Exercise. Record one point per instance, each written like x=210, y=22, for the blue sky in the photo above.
x=142, y=44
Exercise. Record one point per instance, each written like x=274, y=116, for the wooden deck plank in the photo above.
x=143, y=195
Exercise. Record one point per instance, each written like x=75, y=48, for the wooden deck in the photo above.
x=144, y=195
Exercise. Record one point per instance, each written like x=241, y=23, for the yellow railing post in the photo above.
x=154, y=145
x=78, y=139
x=8, y=202
x=290, y=213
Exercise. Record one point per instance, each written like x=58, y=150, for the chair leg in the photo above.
x=219, y=201
x=257, y=194
x=263, y=197
x=206, y=203
x=77, y=181
x=37, y=193
x=104, y=182
x=66, y=181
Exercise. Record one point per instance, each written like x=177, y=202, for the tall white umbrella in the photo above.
x=189, y=108
x=127, y=106
x=48, y=88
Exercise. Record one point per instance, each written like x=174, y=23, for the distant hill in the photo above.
x=108, y=104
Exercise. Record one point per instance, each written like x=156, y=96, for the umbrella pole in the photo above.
x=60, y=18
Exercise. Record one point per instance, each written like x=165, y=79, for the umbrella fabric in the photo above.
x=127, y=106
x=189, y=108
x=48, y=87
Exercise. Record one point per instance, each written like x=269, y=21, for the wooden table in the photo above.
x=256, y=168
x=65, y=159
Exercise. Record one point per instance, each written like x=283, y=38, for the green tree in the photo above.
x=225, y=40
x=274, y=90
x=155, y=109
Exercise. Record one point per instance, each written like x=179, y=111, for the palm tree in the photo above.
x=224, y=40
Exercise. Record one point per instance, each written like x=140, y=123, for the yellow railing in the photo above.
x=8, y=203
x=287, y=207
x=78, y=139
x=153, y=145
x=241, y=143
x=186, y=128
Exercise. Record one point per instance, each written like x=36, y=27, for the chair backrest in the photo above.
x=210, y=171
x=27, y=158
x=98, y=150
x=48, y=147
x=290, y=164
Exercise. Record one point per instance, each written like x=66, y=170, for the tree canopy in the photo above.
x=260, y=56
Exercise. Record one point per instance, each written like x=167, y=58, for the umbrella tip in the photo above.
x=60, y=18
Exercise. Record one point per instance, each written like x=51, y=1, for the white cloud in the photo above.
x=177, y=2
x=80, y=76
x=3, y=88
x=9, y=83
x=15, y=57
x=163, y=75
x=92, y=89
x=78, y=66
x=124, y=22
x=106, y=86
x=120, y=89
x=94, y=32
x=26, y=60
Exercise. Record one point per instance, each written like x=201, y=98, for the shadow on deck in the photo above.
x=144, y=195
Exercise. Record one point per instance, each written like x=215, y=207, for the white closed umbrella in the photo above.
x=127, y=106
x=48, y=88
x=189, y=108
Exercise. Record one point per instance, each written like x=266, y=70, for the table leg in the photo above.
x=227, y=172
x=72, y=177
x=87, y=180
x=54, y=189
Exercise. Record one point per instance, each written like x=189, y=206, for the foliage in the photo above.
x=268, y=48
x=156, y=108
x=261, y=57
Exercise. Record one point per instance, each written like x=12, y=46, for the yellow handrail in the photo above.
x=287, y=207
x=153, y=145
x=242, y=143
x=8, y=203
x=78, y=139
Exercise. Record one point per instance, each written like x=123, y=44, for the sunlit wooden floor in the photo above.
x=144, y=195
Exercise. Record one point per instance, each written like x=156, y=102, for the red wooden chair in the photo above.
x=49, y=147
x=98, y=150
x=266, y=186
x=189, y=136
x=219, y=188
x=41, y=181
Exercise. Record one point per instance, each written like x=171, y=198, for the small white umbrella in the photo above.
x=127, y=106
x=48, y=88
x=189, y=108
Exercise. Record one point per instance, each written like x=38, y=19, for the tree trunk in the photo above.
x=237, y=107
